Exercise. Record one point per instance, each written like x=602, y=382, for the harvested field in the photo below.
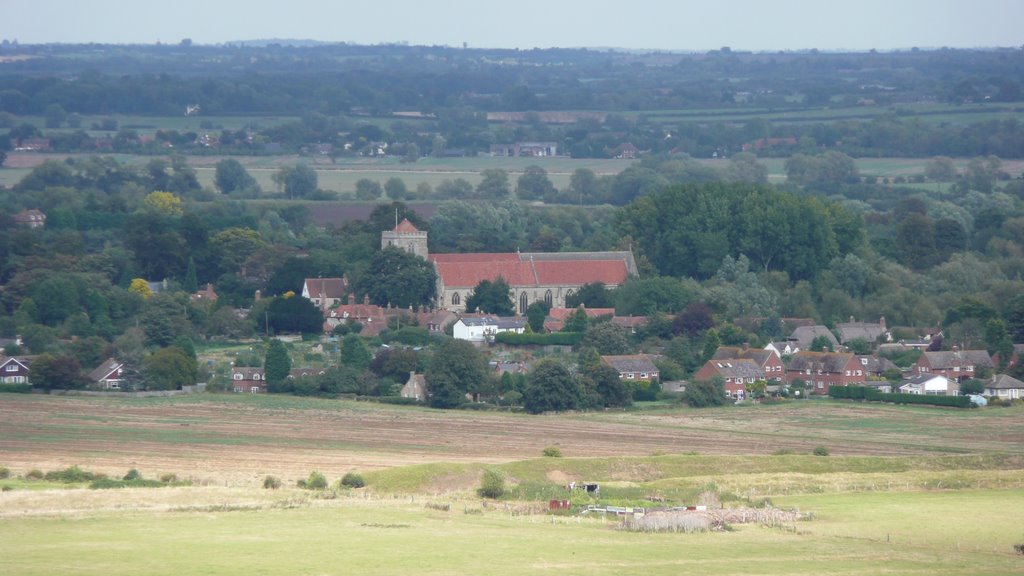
x=236, y=440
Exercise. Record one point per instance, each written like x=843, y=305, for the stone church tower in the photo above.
x=407, y=237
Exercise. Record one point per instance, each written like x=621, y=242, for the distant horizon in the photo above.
x=647, y=25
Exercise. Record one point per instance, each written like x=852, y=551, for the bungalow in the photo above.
x=821, y=370
x=737, y=373
x=14, y=370
x=1005, y=387
x=929, y=384
x=633, y=366
x=956, y=364
x=415, y=388
x=111, y=375
x=246, y=379
x=769, y=363
x=484, y=328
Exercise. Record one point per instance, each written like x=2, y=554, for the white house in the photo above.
x=483, y=328
x=931, y=384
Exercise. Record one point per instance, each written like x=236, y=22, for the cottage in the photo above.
x=325, y=292
x=822, y=370
x=246, y=379
x=955, y=364
x=111, y=375
x=15, y=370
x=867, y=331
x=415, y=388
x=736, y=372
x=633, y=367
x=875, y=366
x=929, y=384
x=484, y=328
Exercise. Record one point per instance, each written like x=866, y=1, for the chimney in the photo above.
x=258, y=295
x=351, y=299
x=881, y=322
x=746, y=346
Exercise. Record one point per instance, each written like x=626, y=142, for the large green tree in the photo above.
x=491, y=298
x=168, y=369
x=231, y=177
x=292, y=314
x=398, y=278
x=550, y=387
x=51, y=372
x=455, y=369
x=277, y=365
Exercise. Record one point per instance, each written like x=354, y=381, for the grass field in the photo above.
x=906, y=490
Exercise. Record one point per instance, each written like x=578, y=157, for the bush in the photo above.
x=4, y=472
x=553, y=452
x=16, y=388
x=1018, y=548
x=271, y=483
x=34, y=474
x=169, y=478
x=554, y=339
x=316, y=481
x=353, y=480
x=821, y=451
x=492, y=485
x=132, y=474
x=72, y=475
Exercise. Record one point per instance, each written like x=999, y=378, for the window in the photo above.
x=970, y=368
x=847, y=372
x=524, y=303
x=12, y=367
x=237, y=376
x=864, y=361
x=254, y=389
x=860, y=372
x=456, y=300
x=643, y=374
x=547, y=298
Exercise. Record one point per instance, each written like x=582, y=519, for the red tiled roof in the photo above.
x=468, y=270
x=327, y=287
x=563, y=313
x=406, y=227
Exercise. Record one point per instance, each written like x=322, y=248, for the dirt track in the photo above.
x=236, y=440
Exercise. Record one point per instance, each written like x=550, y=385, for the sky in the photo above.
x=684, y=25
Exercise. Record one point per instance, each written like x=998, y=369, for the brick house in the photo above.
x=737, y=373
x=954, y=364
x=111, y=375
x=769, y=363
x=822, y=370
x=246, y=379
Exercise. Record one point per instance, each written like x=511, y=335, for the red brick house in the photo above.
x=822, y=370
x=954, y=364
x=245, y=379
x=111, y=375
x=737, y=373
x=769, y=363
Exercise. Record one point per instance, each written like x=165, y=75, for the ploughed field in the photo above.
x=237, y=440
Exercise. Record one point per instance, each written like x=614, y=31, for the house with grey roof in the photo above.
x=805, y=335
x=735, y=372
x=633, y=366
x=1005, y=387
x=930, y=384
x=868, y=331
x=956, y=364
x=484, y=328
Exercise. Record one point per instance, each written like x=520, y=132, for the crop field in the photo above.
x=904, y=490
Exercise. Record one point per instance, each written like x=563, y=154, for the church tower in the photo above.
x=407, y=237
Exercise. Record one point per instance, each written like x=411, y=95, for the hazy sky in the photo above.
x=664, y=24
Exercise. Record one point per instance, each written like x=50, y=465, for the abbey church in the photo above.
x=531, y=276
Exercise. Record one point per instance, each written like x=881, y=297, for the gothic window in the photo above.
x=547, y=298
x=523, y=303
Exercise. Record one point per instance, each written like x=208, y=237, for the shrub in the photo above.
x=821, y=451
x=271, y=483
x=783, y=452
x=492, y=485
x=353, y=480
x=553, y=452
x=169, y=478
x=316, y=481
x=4, y=472
x=34, y=474
x=132, y=474
x=72, y=475
x=1019, y=548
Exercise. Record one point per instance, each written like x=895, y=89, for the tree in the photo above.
x=583, y=185
x=705, y=393
x=51, y=372
x=592, y=295
x=1015, y=319
x=915, y=236
x=605, y=380
x=277, y=365
x=190, y=284
x=395, y=188
x=299, y=181
x=231, y=177
x=168, y=369
x=54, y=115
x=491, y=298
x=494, y=185
x=608, y=339
x=492, y=485
x=821, y=344
x=456, y=368
x=163, y=318
x=354, y=352
x=367, y=189
x=534, y=184
x=972, y=386
x=940, y=169
x=694, y=319
x=576, y=321
x=536, y=313
x=645, y=296
x=711, y=344
x=398, y=278
x=550, y=387
x=292, y=314
x=744, y=167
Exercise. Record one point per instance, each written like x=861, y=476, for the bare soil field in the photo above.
x=237, y=440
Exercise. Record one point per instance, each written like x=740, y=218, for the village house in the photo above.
x=205, y=294
x=769, y=362
x=247, y=379
x=876, y=366
x=805, y=335
x=528, y=149
x=31, y=218
x=736, y=372
x=373, y=318
x=555, y=320
x=633, y=367
x=1005, y=387
x=867, y=331
x=929, y=384
x=550, y=277
x=415, y=387
x=783, y=348
x=956, y=364
x=822, y=370
x=325, y=292
x=111, y=375
x=484, y=328
x=15, y=369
